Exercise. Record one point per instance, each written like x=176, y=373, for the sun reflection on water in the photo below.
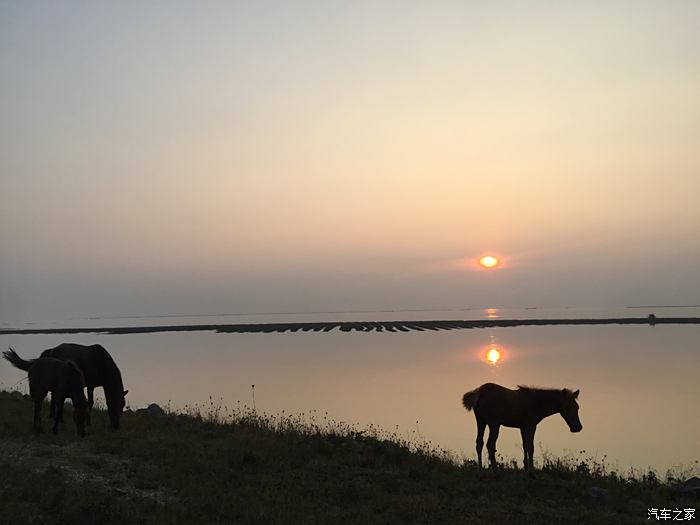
x=493, y=355
x=492, y=313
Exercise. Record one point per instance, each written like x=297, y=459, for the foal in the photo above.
x=62, y=378
x=523, y=408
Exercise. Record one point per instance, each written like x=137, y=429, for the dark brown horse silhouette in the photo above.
x=98, y=368
x=62, y=378
x=523, y=408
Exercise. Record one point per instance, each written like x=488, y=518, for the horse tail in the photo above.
x=470, y=399
x=17, y=361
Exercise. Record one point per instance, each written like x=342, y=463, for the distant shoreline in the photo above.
x=347, y=326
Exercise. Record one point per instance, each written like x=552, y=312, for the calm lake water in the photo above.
x=639, y=384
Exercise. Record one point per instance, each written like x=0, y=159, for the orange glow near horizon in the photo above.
x=489, y=261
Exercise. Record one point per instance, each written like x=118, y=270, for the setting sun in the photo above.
x=489, y=261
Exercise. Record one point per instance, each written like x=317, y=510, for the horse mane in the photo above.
x=111, y=370
x=536, y=390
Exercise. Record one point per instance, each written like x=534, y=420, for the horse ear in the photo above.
x=125, y=393
x=576, y=394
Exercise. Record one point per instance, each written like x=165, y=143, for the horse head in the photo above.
x=115, y=405
x=569, y=410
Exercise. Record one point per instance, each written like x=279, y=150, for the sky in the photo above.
x=188, y=158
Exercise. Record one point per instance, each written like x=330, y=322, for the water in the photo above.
x=639, y=388
x=361, y=315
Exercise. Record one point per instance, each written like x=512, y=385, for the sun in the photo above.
x=489, y=261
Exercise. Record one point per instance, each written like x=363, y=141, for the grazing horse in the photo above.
x=98, y=368
x=523, y=408
x=62, y=378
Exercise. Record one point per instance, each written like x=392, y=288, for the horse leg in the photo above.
x=38, y=398
x=91, y=390
x=523, y=434
x=61, y=403
x=528, y=435
x=58, y=416
x=491, y=444
x=480, y=427
x=531, y=448
x=53, y=408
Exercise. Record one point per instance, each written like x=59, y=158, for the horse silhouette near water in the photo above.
x=98, y=369
x=62, y=378
x=495, y=406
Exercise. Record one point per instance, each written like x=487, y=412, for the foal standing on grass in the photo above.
x=523, y=408
x=98, y=368
x=63, y=379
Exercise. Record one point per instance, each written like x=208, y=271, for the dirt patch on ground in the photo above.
x=78, y=464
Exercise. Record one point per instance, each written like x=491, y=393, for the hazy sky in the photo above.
x=201, y=157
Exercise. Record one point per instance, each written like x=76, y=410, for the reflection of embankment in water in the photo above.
x=358, y=326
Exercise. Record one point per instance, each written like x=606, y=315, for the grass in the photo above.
x=212, y=465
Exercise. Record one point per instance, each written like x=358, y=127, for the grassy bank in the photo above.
x=213, y=466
